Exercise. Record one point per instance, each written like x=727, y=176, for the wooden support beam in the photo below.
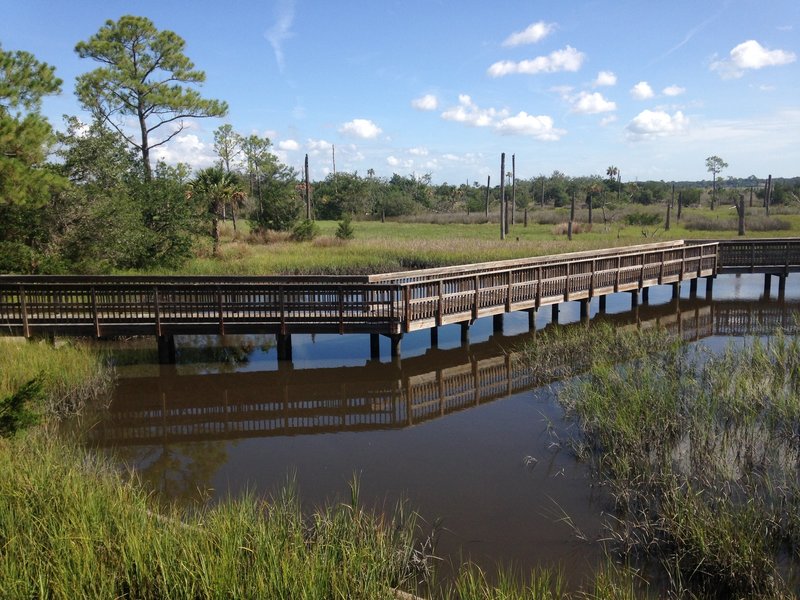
x=554, y=313
x=497, y=323
x=434, y=337
x=374, y=346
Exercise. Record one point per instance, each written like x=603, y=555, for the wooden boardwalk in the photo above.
x=390, y=304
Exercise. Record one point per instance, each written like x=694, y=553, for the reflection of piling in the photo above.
x=166, y=349
x=767, y=285
x=709, y=288
x=284, y=344
x=497, y=323
x=434, y=337
x=554, y=313
x=374, y=346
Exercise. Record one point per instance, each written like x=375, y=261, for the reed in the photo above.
x=72, y=527
x=699, y=452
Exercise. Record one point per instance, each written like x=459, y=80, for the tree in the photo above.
x=142, y=77
x=25, y=135
x=714, y=165
x=227, y=145
x=214, y=187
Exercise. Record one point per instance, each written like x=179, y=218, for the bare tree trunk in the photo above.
x=589, y=201
x=308, y=192
x=526, y=216
x=740, y=210
x=542, y=191
x=672, y=198
x=751, y=197
x=215, y=228
x=680, y=204
x=513, y=187
x=669, y=209
x=713, y=189
x=503, y=196
x=488, y=183
x=768, y=195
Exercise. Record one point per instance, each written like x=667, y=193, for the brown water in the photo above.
x=463, y=433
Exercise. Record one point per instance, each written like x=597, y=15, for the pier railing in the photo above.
x=390, y=304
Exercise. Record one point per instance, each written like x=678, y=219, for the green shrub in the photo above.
x=345, y=229
x=17, y=258
x=645, y=219
x=305, y=231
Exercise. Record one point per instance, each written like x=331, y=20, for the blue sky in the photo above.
x=439, y=87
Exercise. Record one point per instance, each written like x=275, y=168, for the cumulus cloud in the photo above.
x=288, y=145
x=642, y=91
x=540, y=127
x=316, y=147
x=426, y=102
x=673, y=90
x=186, y=148
x=605, y=78
x=607, y=120
x=361, y=128
x=419, y=151
x=751, y=55
x=568, y=59
x=281, y=30
x=468, y=112
x=656, y=123
x=591, y=104
x=535, y=32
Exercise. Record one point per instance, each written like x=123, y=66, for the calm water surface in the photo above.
x=462, y=433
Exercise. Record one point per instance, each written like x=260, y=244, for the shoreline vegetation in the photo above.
x=698, y=451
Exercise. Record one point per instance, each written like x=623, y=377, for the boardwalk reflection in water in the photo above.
x=427, y=428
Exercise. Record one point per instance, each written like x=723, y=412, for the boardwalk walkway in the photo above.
x=390, y=304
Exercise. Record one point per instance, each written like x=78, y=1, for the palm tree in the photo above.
x=214, y=187
x=613, y=173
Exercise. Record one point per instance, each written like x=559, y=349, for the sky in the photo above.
x=444, y=87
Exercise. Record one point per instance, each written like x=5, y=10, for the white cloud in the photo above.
x=642, y=91
x=533, y=33
x=468, y=112
x=751, y=55
x=186, y=148
x=568, y=59
x=649, y=124
x=605, y=78
x=522, y=123
x=453, y=157
x=419, y=151
x=361, y=128
x=281, y=30
x=392, y=161
x=607, y=120
x=288, y=145
x=316, y=147
x=673, y=90
x=426, y=102
x=591, y=104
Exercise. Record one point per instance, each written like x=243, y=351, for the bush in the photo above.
x=305, y=231
x=645, y=219
x=16, y=258
x=345, y=229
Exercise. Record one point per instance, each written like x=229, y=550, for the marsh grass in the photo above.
x=700, y=454
x=73, y=527
x=70, y=375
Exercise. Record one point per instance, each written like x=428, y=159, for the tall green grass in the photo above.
x=700, y=453
x=69, y=375
x=71, y=527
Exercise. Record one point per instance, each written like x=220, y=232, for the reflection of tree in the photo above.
x=226, y=352
x=179, y=472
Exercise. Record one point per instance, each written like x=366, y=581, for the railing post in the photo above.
x=341, y=310
x=23, y=305
x=566, y=284
x=95, y=316
x=619, y=271
x=591, y=280
x=407, y=306
x=661, y=270
x=439, y=307
x=508, y=292
x=538, y=287
x=476, y=305
x=282, y=306
x=156, y=308
x=219, y=312
x=683, y=263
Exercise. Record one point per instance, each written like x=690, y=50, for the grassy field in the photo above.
x=441, y=240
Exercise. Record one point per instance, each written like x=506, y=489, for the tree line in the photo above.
x=90, y=198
